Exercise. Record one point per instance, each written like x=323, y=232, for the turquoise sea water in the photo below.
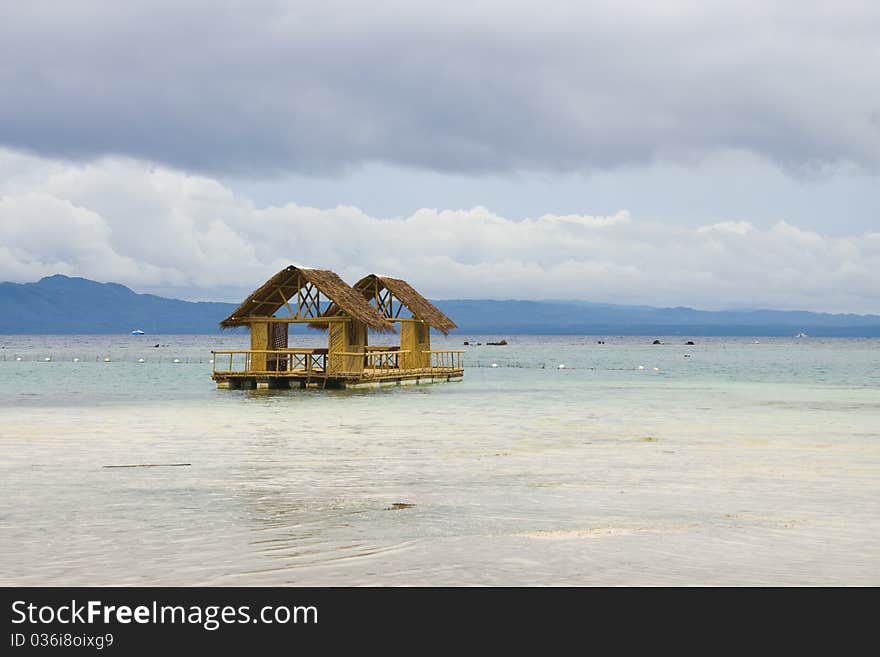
x=736, y=461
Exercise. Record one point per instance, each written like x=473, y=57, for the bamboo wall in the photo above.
x=351, y=337
x=415, y=337
x=259, y=341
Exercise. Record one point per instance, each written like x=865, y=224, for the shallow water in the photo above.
x=732, y=463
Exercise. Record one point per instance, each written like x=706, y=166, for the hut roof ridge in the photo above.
x=267, y=300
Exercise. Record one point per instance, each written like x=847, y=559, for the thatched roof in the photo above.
x=418, y=305
x=266, y=300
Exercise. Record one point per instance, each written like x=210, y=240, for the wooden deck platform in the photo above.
x=286, y=368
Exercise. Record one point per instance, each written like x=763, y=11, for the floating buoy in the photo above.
x=76, y=360
x=47, y=359
x=176, y=360
x=18, y=359
x=494, y=365
x=641, y=367
x=211, y=361
x=107, y=359
x=141, y=360
x=561, y=366
x=656, y=369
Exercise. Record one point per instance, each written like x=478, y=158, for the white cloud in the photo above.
x=162, y=230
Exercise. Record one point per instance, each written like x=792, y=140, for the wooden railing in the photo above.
x=384, y=360
x=277, y=361
x=347, y=362
x=374, y=362
x=448, y=359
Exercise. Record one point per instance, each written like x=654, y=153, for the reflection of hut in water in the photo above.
x=323, y=300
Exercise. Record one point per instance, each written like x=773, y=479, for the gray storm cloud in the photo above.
x=163, y=230
x=256, y=88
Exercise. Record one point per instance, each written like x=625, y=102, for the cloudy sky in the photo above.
x=718, y=155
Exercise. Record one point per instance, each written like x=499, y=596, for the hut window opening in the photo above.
x=278, y=336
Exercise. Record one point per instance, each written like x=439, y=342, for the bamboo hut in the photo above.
x=398, y=302
x=321, y=299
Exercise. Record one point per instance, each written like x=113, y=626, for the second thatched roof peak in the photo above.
x=372, y=285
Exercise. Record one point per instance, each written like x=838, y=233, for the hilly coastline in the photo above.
x=64, y=305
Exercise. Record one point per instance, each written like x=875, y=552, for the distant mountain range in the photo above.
x=63, y=305
x=583, y=318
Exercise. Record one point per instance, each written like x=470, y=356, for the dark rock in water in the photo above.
x=479, y=344
x=690, y=343
x=466, y=343
x=600, y=341
x=502, y=343
x=657, y=342
x=155, y=346
x=397, y=506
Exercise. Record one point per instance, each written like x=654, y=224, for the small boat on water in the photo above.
x=137, y=332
